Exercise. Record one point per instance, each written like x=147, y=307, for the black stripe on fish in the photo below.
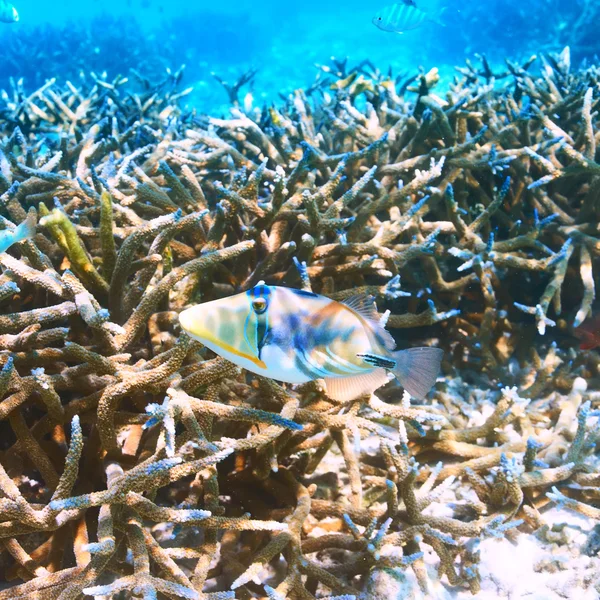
x=378, y=361
x=262, y=330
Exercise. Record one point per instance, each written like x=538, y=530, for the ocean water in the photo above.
x=282, y=41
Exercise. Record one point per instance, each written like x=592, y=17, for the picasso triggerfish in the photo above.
x=297, y=336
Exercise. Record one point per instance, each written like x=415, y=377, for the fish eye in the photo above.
x=259, y=305
x=379, y=18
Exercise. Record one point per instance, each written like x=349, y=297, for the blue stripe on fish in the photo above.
x=262, y=329
x=250, y=332
x=256, y=326
x=308, y=367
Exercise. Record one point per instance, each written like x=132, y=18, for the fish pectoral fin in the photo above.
x=344, y=389
x=376, y=360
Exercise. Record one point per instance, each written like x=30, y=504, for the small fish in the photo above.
x=589, y=333
x=24, y=231
x=8, y=13
x=398, y=18
x=297, y=336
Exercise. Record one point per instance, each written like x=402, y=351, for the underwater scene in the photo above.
x=297, y=300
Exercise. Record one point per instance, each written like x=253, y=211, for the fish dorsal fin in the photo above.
x=364, y=306
x=344, y=389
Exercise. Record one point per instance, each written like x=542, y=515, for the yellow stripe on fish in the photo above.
x=297, y=336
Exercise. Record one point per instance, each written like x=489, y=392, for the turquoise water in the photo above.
x=283, y=41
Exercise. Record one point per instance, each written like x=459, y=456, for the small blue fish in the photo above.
x=403, y=16
x=23, y=232
x=297, y=336
x=8, y=13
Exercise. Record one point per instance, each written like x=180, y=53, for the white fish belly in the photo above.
x=279, y=365
x=240, y=361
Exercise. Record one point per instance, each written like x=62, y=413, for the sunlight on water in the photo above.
x=282, y=40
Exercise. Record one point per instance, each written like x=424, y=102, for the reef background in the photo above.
x=465, y=199
x=283, y=40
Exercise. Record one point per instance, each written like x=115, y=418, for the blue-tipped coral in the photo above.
x=166, y=470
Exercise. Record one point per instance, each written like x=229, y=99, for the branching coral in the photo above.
x=166, y=471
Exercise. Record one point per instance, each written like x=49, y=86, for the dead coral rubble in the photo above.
x=134, y=460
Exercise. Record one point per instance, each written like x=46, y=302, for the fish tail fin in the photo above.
x=26, y=229
x=417, y=369
x=438, y=18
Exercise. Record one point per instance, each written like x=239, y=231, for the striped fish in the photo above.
x=401, y=17
x=8, y=13
x=297, y=336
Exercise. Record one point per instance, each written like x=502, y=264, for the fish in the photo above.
x=8, y=13
x=589, y=332
x=22, y=232
x=296, y=336
x=403, y=16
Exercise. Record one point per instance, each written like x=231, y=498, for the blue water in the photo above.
x=282, y=40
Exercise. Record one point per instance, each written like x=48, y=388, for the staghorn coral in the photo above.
x=133, y=460
x=84, y=48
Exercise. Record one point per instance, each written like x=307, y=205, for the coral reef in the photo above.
x=541, y=25
x=105, y=46
x=134, y=463
x=229, y=41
